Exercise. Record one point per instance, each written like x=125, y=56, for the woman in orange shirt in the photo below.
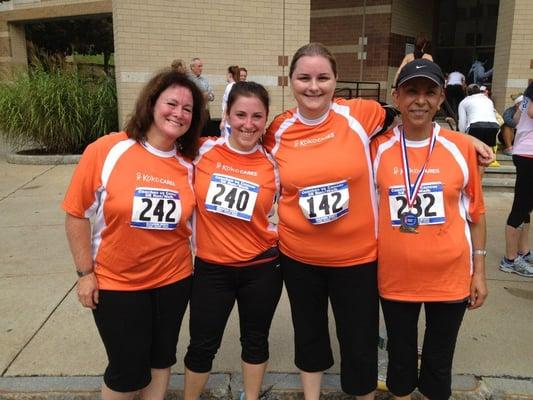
x=236, y=184
x=431, y=241
x=135, y=267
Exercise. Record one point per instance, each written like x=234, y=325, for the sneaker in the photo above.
x=494, y=164
x=528, y=257
x=519, y=266
x=508, y=151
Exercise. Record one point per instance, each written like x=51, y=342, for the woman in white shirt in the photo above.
x=477, y=117
x=231, y=77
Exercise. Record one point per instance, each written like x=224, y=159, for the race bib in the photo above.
x=324, y=203
x=155, y=209
x=428, y=205
x=231, y=196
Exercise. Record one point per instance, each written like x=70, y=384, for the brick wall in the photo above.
x=339, y=25
x=513, y=56
x=149, y=35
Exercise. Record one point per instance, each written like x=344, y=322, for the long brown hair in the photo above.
x=143, y=115
x=234, y=71
x=422, y=45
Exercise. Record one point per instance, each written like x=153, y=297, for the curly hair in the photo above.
x=142, y=118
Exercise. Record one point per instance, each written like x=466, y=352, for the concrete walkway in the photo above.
x=49, y=346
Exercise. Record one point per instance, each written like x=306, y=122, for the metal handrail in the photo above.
x=364, y=89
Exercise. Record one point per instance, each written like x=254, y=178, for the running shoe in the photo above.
x=519, y=266
x=508, y=151
x=528, y=257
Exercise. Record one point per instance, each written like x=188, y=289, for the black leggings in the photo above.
x=443, y=321
x=215, y=288
x=523, y=192
x=352, y=292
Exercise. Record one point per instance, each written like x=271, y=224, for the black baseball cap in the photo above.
x=421, y=68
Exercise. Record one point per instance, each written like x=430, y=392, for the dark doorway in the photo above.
x=465, y=30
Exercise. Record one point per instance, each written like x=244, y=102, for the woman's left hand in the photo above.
x=478, y=291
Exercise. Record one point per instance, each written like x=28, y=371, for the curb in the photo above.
x=276, y=386
x=54, y=159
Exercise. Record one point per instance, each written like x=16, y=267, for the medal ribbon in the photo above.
x=411, y=190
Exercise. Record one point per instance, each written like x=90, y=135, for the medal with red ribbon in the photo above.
x=409, y=219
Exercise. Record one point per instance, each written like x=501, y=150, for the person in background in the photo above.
x=455, y=90
x=477, y=74
x=179, y=65
x=477, y=116
x=235, y=244
x=197, y=67
x=232, y=76
x=518, y=258
x=431, y=236
x=243, y=74
x=506, y=135
x=422, y=50
x=135, y=267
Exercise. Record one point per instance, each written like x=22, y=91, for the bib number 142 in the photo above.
x=324, y=203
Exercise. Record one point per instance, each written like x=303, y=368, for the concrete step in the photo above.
x=502, y=169
x=502, y=157
x=498, y=184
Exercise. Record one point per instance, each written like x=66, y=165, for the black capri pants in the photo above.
x=523, y=192
x=257, y=289
x=443, y=321
x=140, y=331
x=354, y=300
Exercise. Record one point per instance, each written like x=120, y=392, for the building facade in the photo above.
x=368, y=37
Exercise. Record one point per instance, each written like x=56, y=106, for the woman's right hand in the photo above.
x=88, y=291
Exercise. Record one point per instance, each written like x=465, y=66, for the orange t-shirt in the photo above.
x=236, y=192
x=327, y=209
x=436, y=263
x=141, y=200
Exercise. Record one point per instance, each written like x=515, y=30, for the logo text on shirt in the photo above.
x=157, y=179
x=399, y=170
x=311, y=141
x=229, y=168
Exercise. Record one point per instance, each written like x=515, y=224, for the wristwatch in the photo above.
x=83, y=273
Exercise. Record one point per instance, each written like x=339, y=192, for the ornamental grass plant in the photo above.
x=56, y=110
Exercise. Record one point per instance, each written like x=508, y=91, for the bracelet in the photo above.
x=480, y=252
x=81, y=274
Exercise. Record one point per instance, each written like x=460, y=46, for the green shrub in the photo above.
x=59, y=111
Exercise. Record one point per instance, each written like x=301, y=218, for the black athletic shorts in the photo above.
x=485, y=131
x=140, y=332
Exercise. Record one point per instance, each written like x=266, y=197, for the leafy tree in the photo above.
x=82, y=35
